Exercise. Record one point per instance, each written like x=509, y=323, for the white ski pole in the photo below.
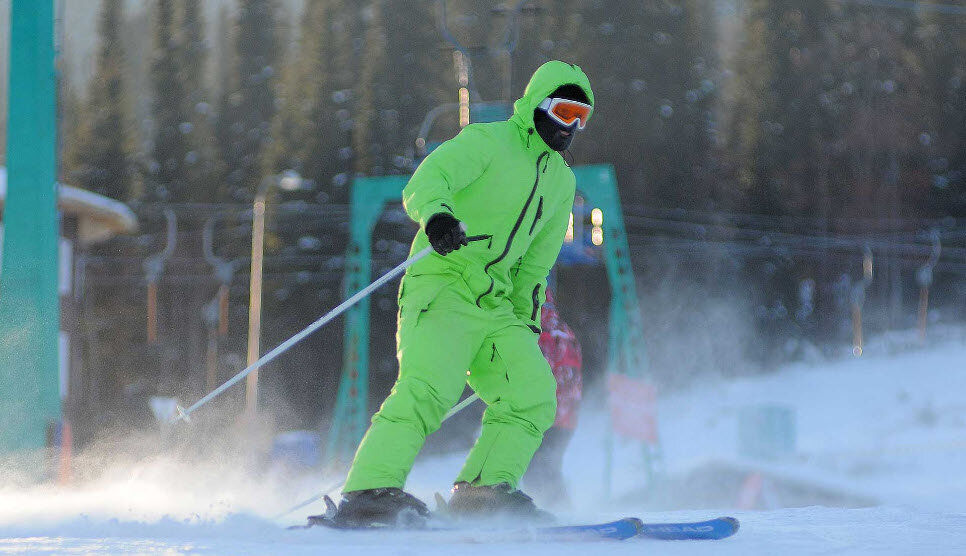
x=456, y=409
x=185, y=414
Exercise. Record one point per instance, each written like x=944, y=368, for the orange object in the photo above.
x=152, y=312
x=223, y=310
x=566, y=112
x=66, y=449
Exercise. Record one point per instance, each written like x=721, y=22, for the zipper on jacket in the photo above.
x=513, y=232
x=536, y=302
x=538, y=215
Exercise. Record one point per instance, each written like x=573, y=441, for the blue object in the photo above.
x=490, y=112
x=766, y=431
x=297, y=449
x=617, y=530
x=622, y=529
x=573, y=254
x=712, y=529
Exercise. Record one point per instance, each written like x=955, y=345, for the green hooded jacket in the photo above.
x=502, y=181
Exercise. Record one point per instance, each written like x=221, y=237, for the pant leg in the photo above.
x=511, y=375
x=544, y=478
x=430, y=382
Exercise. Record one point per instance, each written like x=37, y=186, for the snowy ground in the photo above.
x=889, y=429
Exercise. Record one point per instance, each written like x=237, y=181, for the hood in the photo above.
x=545, y=80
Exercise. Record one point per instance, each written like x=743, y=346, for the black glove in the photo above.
x=445, y=233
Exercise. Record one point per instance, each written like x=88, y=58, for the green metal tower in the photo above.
x=29, y=301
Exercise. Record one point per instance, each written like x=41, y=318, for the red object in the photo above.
x=562, y=350
x=61, y=444
x=750, y=492
x=633, y=407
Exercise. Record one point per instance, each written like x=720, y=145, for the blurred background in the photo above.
x=791, y=177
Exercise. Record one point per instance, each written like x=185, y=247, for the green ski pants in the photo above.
x=444, y=341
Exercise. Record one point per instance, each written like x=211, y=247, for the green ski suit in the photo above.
x=474, y=315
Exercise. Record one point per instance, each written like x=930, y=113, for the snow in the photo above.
x=100, y=217
x=886, y=429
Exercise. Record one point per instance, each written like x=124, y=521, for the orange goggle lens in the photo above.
x=566, y=112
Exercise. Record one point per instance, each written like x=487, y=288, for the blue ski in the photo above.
x=617, y=530
x=621, y=529
x=712, y=529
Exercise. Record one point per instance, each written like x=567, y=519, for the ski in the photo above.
x=712, y=529
x=613, y=530
x=621, y=529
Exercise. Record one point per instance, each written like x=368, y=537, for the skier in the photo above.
x=544, y=477
x=468, y=312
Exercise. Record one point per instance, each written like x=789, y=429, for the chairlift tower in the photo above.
x=29, y=298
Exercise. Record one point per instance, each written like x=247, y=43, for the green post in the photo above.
x=369, y=197
x=626, y=346
x=29, y=301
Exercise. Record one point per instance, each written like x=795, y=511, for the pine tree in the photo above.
x=942, y=50
x=70, y=117
x=102, y=157
x=654, y=80
x=198, y=111
x=167, y=172
x=883, y=114
x=181, y=164
x=304, y=82
x=227, y=62
x=404, y=75
x=373, y=63
x=327, y=150
x=247, y=103
x=777, y=132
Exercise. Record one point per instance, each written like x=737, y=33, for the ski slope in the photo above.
x=886, y=428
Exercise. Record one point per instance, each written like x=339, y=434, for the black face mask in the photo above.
x=552, y=133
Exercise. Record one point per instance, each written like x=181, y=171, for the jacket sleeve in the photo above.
x=451, y=167
x=530, y=275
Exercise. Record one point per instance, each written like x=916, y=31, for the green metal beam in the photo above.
x=626, y=351
x=626, y=346
x=369, y=196
x=29, y=300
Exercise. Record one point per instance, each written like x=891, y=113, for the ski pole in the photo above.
x=456, y=409
x=460, y=406
x=185, y=414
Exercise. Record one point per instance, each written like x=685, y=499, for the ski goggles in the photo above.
x=565, y=112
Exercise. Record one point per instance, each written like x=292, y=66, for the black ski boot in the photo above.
x=495, y=501
x=380, y=507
